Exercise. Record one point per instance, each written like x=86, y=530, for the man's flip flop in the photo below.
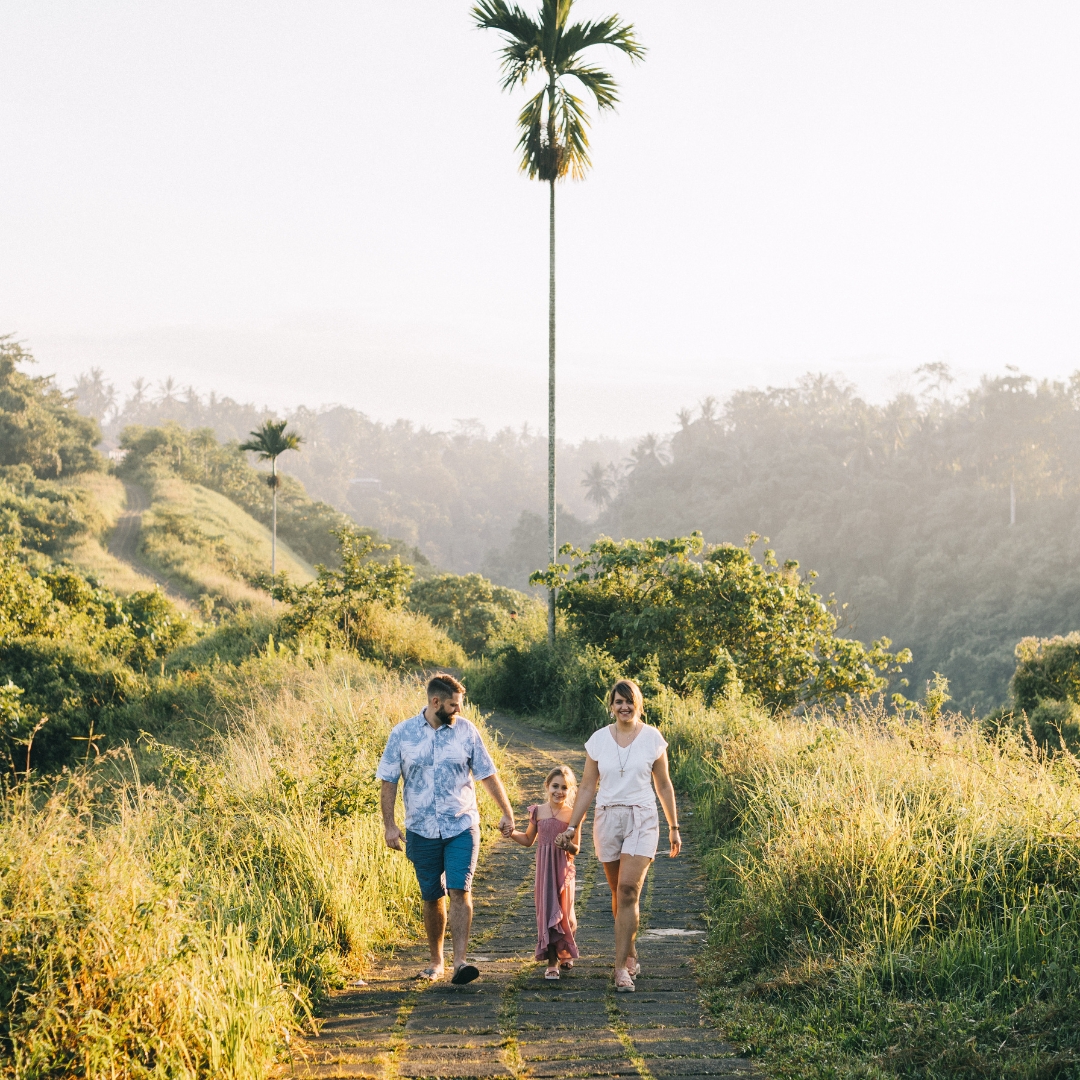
x=430, y=973
x=465, y=974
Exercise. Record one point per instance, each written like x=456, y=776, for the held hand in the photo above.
x=394, y=838
x=565, y=840
x=675, y=840
x=506, y=826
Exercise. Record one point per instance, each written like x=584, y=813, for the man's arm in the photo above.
x=494, y=787
x=387, y=800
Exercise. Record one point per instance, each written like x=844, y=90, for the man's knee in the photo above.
x=460, y=896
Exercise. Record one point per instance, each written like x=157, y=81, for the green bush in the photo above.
x=1047, y=669
x=74, y=654
x=41, y=514
x=40, y=426
x=474, y=612
x=568, y=683
x=715, y=617
x=360, y=606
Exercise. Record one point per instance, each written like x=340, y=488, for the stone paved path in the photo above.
x=511, y=1022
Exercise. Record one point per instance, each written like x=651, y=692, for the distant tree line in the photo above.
x=903, y=508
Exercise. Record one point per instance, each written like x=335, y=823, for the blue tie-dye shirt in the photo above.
x=438, y=765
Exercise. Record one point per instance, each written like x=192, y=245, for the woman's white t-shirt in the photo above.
x=634, y=786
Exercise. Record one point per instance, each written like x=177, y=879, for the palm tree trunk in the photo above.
x=551, y=408
x=273, y=536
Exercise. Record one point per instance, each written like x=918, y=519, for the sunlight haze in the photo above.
x=314, y=203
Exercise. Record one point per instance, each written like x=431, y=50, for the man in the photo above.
x=440, y=753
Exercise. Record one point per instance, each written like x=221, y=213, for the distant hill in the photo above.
x=459, y=497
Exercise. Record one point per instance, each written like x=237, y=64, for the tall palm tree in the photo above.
x=554, y=129
x=271, y=441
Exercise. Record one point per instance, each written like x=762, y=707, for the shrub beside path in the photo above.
x=513, y=1023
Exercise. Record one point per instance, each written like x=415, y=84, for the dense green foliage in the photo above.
x=44, y=515
x=40, y=426
x=717, y=620
x=474, y=612
x=74, y=654
x=902, y=508
x=360, y=606
x=1045, y=688
x=566, y=684
x=891, y=896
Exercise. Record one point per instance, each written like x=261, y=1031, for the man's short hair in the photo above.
x=443, y=686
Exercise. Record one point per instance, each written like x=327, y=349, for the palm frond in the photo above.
x=533, y=143
x=508, y=19
x=602, y=84
x=573, y=126
x=519, y=61
x=610, y=31
x=522, y=53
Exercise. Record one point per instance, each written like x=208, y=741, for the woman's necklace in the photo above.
x=623, y=762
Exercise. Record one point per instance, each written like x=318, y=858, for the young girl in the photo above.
x=555, y=877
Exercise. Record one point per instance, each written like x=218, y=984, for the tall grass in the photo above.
x=890, y=893
x=185, y=927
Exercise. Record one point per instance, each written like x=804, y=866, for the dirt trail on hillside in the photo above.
x=511, y=1022
x=124, y=539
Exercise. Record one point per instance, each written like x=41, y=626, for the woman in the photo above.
x=625, y=761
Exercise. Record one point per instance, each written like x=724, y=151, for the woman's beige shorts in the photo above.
x=625, y=830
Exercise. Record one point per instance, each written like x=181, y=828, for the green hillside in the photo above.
x=207, y=547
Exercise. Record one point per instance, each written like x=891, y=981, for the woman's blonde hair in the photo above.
x=627, y=688
x=568, y=778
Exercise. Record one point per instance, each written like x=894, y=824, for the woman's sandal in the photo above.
x=551, y=973
x=623, y=983
x=633, y=966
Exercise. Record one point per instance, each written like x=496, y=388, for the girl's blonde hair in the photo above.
x=568, y=778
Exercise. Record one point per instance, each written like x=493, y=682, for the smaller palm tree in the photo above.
x=271, y=441
x=599, y=485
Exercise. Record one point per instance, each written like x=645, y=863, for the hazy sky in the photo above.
x=318, y=202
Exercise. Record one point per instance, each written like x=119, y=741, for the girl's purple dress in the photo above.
x=555, y=879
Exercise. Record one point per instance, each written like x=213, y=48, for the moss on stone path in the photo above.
x=513, y=1023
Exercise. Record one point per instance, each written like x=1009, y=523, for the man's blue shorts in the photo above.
x=445, y=863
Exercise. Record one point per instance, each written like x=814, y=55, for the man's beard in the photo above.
x=443, y=716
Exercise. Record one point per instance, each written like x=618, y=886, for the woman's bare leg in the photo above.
x=611, y=872
x=632, y=871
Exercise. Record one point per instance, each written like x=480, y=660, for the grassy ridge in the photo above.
x=891, y=896
x=211, y=547
x=183, y=927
